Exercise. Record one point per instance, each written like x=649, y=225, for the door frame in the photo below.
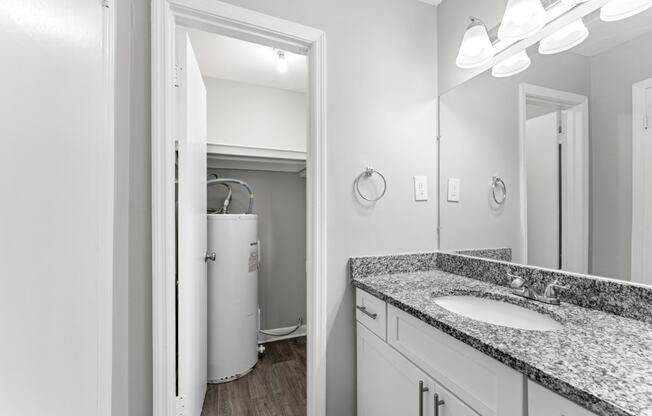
x=638, y=183
x=223, y=18
x=576, y=197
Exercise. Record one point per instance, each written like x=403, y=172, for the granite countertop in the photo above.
x=599, y=360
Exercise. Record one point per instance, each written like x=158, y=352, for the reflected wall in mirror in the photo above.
x=570, y=139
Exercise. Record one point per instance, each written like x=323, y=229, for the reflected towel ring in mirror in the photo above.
x=496, y=182
x=367, y=173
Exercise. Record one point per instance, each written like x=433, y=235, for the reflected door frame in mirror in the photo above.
x=641, y=162
x=575, y=219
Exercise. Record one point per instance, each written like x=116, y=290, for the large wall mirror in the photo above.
x=552, y=166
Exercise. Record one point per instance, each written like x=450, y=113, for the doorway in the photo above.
x=169, y=73
x=553, y=175
x=256, y=109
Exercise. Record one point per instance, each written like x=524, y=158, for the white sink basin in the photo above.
x=498, y=313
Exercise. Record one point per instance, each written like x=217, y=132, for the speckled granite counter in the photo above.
x=599, y=360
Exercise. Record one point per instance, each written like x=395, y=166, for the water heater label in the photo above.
x=253, y=256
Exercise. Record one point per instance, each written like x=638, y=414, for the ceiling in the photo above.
x=237, y=60
x=606, y=35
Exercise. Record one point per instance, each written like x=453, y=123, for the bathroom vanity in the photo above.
x=544, y=186
x=416, y=357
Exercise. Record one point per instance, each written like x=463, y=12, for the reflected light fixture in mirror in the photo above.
x=476, y=49
x=522, y=18
x=622, y=9
x=282, y=63
x=565, y=38
x=511, y=66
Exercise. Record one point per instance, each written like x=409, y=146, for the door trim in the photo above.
x=638, y=184
x=226, y=19
x=576, y=195
x=106, y=168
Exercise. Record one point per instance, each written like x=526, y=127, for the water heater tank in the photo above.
x=232, y=296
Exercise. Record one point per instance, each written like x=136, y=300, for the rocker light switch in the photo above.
x=453, y=190
x=420, y=188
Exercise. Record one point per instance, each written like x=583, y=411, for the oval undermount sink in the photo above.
x=498, y=313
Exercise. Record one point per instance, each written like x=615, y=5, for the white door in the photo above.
x=642, y=189
x=543, y=213
x=388, y=384
x=56, y=215
x=191, y=133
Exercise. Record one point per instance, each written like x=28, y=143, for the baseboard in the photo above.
x=301, y=332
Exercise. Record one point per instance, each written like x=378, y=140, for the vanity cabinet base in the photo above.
x=402, y=363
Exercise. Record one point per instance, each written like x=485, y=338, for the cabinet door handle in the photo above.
x=422, y=389
x=364, y=310
x=438, y=403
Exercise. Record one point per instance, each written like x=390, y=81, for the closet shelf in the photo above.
x=255, y=158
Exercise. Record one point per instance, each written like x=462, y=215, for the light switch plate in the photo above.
x=420, y=188
x=453, y=190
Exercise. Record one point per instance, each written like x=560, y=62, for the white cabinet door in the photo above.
x=451, y=405
x=486, y=385
x=388, y=384
x=543, y=402
x=192, y=327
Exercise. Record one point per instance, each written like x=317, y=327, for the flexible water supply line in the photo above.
x=250, y=207
x=290, y=332
x=227, y=201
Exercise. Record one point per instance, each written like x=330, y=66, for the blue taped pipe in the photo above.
x=250, y=207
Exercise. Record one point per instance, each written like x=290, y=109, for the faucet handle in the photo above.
x=551, y=289
x=518, y=281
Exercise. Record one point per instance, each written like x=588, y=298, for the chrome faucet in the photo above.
x=522, y=288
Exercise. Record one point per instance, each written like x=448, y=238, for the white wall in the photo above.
x=611, y=154
x=56, y=216
x=381, y=95
x=542, y=191
x=453, y=17
x=381, y=109
x=281, y=208
x=252, y=115
x=479, y=128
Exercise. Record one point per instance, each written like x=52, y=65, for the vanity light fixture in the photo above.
x=522, y=18
x=512, y=65
x=565, y=38
x=621, y=9
x=282, y=63
x=476, y=49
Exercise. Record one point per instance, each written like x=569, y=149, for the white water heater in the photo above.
x=232, y=296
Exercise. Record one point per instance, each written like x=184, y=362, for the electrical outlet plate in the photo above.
x=453, y=190
x=420, y=188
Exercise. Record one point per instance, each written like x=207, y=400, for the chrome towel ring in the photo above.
x=366, y=174
x=498, y=183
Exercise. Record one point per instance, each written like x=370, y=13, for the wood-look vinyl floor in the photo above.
x=275, y=387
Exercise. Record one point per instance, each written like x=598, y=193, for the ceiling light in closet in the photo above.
x=565, y=38
x=476, y=49
x=522, y=19
x=282, y=63
x=512, y=65
x=621, y=9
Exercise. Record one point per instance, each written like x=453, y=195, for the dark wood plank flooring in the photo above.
x=275, y=387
